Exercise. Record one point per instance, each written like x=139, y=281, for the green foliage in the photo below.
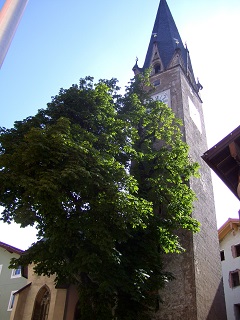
x=104, y=178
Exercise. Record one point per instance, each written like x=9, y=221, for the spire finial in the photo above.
x=176, y=41
x=200, y=87
x=136, y=68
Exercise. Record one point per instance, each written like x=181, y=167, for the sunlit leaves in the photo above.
x=105, y=179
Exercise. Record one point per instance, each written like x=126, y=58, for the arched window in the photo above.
x=157, y=68
x=41, y=306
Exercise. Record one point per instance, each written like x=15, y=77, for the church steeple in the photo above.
x=197, y=271
x=166, y=45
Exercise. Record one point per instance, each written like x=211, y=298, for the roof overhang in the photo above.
x=224, y=160
x=229, y=225
x=11, y=249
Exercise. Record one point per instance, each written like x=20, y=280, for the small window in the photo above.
x=235, y=279
x=157, y=68
x=16, y=273
x=236, y=251
x=222, y=255
x=11, y=301
x=156, y=83
x=237, y=311
x=237, y=248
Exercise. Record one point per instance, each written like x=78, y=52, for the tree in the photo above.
x=104, y=178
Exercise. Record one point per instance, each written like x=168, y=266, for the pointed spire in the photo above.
x=166, y=37
x=165, y=34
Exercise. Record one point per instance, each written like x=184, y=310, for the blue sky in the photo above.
x=58, y=42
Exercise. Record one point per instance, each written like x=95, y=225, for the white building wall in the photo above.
x=232, y=295
x=8, y=282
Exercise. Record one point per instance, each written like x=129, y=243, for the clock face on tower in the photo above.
x=163, y=96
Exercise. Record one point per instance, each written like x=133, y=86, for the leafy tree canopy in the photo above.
x=104, y=178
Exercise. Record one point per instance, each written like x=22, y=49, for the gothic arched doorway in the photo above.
x=41, y=306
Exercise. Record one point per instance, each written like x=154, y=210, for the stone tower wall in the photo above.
x=207, y=264
x=197, y=292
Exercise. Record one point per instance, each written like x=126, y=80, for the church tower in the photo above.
x=197, y=291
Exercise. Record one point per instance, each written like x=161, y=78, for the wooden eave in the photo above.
x=220, y=159
x=229, y=225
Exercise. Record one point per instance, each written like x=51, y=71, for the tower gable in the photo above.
x=177, y=60
x=156, y=61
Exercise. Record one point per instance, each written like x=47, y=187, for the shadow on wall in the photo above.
x=217, y=304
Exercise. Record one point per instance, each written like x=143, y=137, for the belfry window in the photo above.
x=157, y=68
x=156, y=83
